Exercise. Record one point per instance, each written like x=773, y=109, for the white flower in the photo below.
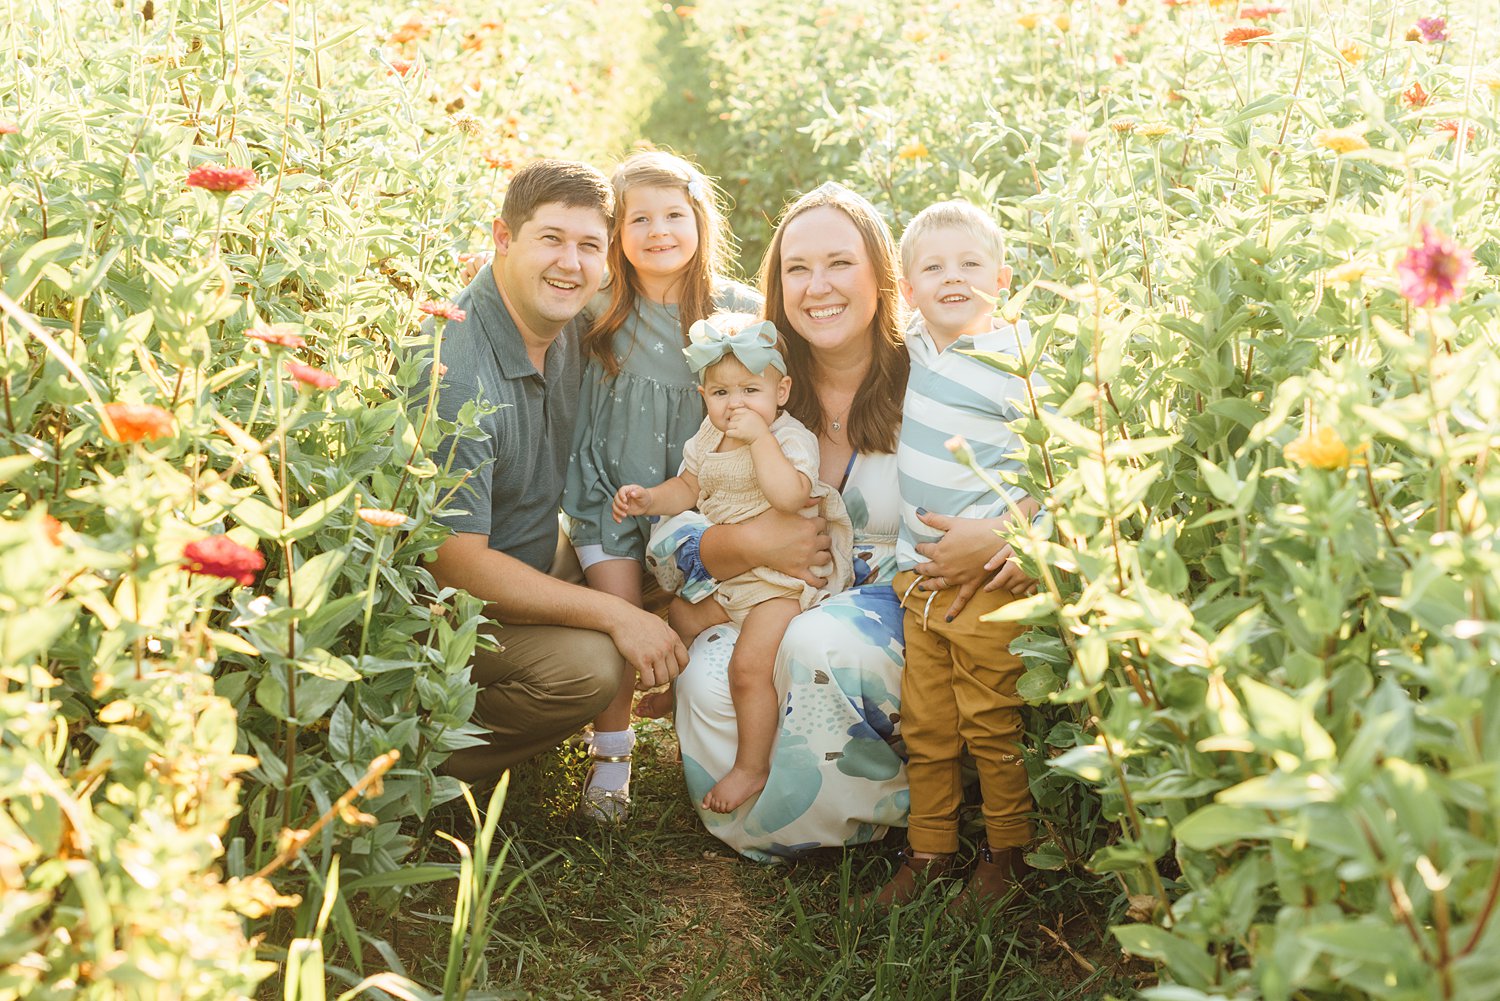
x=697, y=190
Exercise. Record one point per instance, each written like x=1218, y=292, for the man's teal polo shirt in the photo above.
x=516, y=486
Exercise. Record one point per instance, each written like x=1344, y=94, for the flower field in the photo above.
x=1259, y=245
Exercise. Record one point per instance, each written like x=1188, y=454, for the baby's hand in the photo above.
x=630, y=500
x=746, y=425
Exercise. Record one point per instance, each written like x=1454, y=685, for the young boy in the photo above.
x=959, y=686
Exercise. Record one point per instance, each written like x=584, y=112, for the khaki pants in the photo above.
x=959, y=687
x=543, y=684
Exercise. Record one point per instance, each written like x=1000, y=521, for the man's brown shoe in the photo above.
x=910, y=877
x=993, y=879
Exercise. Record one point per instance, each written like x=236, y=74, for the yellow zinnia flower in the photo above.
x=1320, y=449
x=1028, y=20
x=913, y=151
x=1353, y=54
x=1342, y=141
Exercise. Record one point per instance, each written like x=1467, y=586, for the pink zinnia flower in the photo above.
x=446, y=310
x=1433, y=29
x=1433, y=272
x=315, y=378
x=221, y=180
x=221, y=556
x=283, y=335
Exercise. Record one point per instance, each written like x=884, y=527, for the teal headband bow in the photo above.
x=754, y=346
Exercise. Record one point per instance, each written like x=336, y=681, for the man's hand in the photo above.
x=630, y=500
x=746, y=425
x=649, y=646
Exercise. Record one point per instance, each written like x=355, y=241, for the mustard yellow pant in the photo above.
x=959, y=687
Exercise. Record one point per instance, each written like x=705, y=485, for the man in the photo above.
x=565, y=649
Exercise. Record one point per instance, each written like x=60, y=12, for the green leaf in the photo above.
x=410, y=875
x=312, y=519
x=1188, y=962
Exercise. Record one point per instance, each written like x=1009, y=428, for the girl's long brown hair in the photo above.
x=875, y=417
x=659, y=169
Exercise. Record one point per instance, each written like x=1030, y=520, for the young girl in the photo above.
x=639, y=401
x=744, y=460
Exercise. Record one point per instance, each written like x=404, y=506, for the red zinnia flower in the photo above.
x=8, y=128
x=446, y=310
x=1433, y=272
x=138, y=422
x=283, y=335
x=1415, y=96
x=1433, y=29
x=1244, y=36
x=400, y=67
x=221, y=180
x=1452, y=127
x=221, y=556
x=1260, y=13
x=315, y=378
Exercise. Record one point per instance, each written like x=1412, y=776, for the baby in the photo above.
x=746, y=458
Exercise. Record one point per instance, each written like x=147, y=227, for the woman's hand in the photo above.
x=960, y=555
x=795, y=545
x=966, y=557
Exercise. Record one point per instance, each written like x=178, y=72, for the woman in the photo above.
x=836, y=775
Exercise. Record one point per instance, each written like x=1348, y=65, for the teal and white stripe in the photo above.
x=948, y=394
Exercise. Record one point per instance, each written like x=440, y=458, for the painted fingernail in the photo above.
x=948, y=619
x=921, y=510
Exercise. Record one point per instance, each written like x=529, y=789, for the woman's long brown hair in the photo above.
x=875, y=416
x=660, y=169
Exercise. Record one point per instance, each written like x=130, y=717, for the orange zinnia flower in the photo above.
x=1452, y=127
x=1415, y=96
x=381, y=517
x=138, y=422
x=314, y=378
x=1244, y=36
x=283, y=335
x=52, y=530
x=8, y=128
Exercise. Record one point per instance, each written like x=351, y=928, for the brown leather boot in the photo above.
x=993, y=879
x=911, y=876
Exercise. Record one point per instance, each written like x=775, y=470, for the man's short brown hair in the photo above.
x=566, y=182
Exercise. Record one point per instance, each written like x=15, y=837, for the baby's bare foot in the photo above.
x=654, y=705
x=733, y=789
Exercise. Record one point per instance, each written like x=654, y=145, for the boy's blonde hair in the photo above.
x=962, y=216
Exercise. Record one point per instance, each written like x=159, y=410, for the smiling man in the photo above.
x=565, y=649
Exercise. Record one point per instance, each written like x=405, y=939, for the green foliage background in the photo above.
x=1267, y=691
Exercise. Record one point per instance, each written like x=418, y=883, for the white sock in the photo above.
x=612, y=775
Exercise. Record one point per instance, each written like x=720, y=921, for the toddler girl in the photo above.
x=744, y=460
x=639, y=401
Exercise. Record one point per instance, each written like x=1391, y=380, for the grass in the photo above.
x=660, y=909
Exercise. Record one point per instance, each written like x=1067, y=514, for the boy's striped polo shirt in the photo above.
x=950, y=393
